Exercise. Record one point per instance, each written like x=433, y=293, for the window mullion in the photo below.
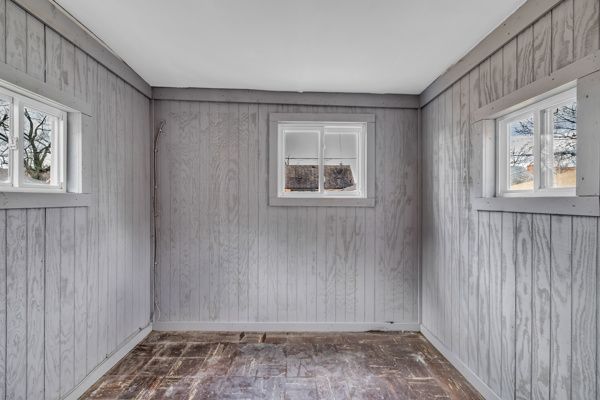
x=57, y=148
x=548, y=149
x=18, y=142
x=537, y=155
x=12, y=135
x=62, y=152
x=321, y=163
x=280, y=161
x=503, y=158
x=361, y=157
x=54, y=180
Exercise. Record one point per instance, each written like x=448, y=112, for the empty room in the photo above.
x=300, y=199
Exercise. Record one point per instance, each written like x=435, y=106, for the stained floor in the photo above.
x=196, y=365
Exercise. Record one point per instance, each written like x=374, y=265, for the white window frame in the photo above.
x=321, y=129
x=364, y=196
x=58, y=153
x=542, y=124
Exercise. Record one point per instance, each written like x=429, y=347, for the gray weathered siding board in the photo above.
x=483, y=310
x=433, y=214
x=485, y=82
x=110, y=168
x=55, y=282
x=495, y=290
x=496, y=75
x=81, y=267
x=584, y=270
x=547, y=279
x=380, y=238
x=586, y=22
x=3, y=321
x=446, y=210
x=58, y=308
x=523, y=302
x=67, y=64
x=562, y=35
x=279, y=264
x=463, y=185
x=52, y=306
x=81, y=71
x=525, y=58
x=540, y=334
x=53, y=57
x=561, y=312
x=597, y=341
x=2, y=30
x=508, y=284
x=243, y=274
x=36, y=55
x=103, y=230
x=509, y=67
x=473, y=225
x=438, y=215
x=16, y=304
x=16, y=36
x=542, y=40
x=118, y=273
x=425, y=201
x=67, y=299
x=547, y=272
x=455, y=194
x=35, y=303
x=253, y=213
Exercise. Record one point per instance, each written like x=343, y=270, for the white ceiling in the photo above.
x=369, y=46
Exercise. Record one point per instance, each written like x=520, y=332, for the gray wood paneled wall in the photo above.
x=75, y=281
x=226, y=256
x=514, y=296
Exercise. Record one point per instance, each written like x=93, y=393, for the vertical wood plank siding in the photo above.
x=78, y=279
x=280, y=264
x=75, y=281
x=528, y=284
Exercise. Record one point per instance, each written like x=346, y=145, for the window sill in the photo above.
x=583, y=206
x=10, y=200
x=321, y=202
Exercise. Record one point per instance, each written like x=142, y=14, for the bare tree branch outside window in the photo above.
x=564, y=120
x=521, y=150
x=37, y=135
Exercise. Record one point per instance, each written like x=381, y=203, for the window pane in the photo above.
x=340, y=157
x=301, y=161
x=521, y=142
x=564, y=133
x=5, y=123
x=38, y=132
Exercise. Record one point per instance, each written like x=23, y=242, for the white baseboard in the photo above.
x=469, y=375
x=284, y=326
x=107, y=364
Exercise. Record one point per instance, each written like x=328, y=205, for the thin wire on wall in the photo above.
x=157, y=136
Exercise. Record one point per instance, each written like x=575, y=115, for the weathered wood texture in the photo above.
x=75, y=280
x=307, y=366
x=527, y=284
x=226, y=256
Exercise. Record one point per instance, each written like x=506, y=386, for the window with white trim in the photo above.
x=32, y=144
x=322, y=160
x=537, y=148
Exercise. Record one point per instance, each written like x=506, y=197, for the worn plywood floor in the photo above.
x=196, y=365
